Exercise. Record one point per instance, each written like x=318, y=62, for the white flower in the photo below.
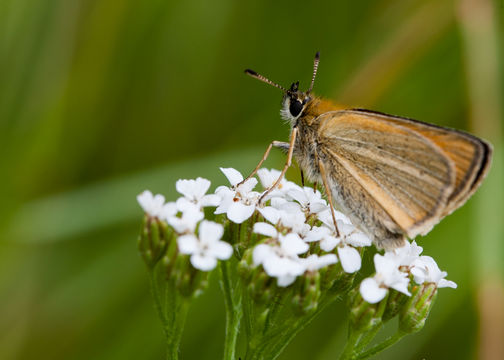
x=152, y=205
x=346, y=243
x=269, y=177
x=387, y=275
x=281, y=260
x=310, y=201
x=425, y=270
x=191, y=215
x=238, y=202
x=291, y=218
x=315, y=262
x=207, y=247
x=194, y=191
x=408, y=254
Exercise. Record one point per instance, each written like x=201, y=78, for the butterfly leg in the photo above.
x=323, y=175
x=277, y=144
x=286, y=166
x=302, y=178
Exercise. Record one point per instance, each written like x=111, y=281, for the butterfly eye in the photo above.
x=295, y=107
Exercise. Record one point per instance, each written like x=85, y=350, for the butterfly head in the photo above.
x=294, y=101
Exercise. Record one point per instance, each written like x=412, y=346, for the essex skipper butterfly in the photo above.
x=393, y=177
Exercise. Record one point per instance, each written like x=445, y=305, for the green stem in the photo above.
x=232, y=302
x=382, y=346
x=175, y=326
x=350, y=347
x=157, y=297
x=367, y=337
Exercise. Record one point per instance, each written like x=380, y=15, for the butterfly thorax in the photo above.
x=307, y=124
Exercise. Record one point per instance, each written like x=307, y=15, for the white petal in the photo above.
x=318, y=207
x=239, y=212
x=210, y=232
x=358, y=239
x=280, y=266
x=186, y=188
x=328, y=243
x=152, y=205
x=177, y=224
x=202, y=262
x=270, y=213
x=210, y=200
x=261, y=252
x=145, y=199
x=315, y=262
x=265, y=229
x=247, y=186
x=345, y=229
x=220, y=250
x=402, y=286
x=385, y=264
x=326, y=217
x=286, y=280
x=168, y=210
x=299, y=196
x=233, y=176
x=446, y=283
x=350, y=259
x=292, y=244
x=187, y=244
x=201, y=186
x=371, y=291
x=268, y=177
x=316, y=233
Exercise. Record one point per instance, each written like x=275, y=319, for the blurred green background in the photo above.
x=101, y=99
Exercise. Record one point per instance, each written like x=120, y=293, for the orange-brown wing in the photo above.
x=471, y=155
x=403, y=172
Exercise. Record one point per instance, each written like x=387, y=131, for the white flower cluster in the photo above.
x=184, y=215
x=283, y=254
x=393, y=270
x=290, y=212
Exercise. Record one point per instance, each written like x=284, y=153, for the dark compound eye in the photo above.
x=295, y=107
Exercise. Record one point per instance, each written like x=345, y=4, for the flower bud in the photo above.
x=189, y=281
x=153, y=239
x=395, y=302
x=363, y=315
x=415, y=311
x=306, y=299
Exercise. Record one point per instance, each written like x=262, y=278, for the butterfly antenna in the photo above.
x=263, y=79
x=315, y=68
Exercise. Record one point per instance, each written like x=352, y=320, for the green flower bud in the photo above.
x=363, y=315
x=307, y=297
x=395, y=303
x=190, y=282
x=153, y=240
x=415, y=311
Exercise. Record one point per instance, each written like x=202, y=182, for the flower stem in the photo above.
x=382, y=346
x=350, y=347
x=367, y=337
x=232, y=302
x=157, y=297
x=175, y=326
x=172, y=310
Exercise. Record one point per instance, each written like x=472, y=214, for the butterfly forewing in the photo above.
x=403, y=173
x=469, y=154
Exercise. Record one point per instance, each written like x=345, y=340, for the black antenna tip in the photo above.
x=250, y=72
x=317, y=55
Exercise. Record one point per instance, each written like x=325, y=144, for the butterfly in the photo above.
x=394, y=177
